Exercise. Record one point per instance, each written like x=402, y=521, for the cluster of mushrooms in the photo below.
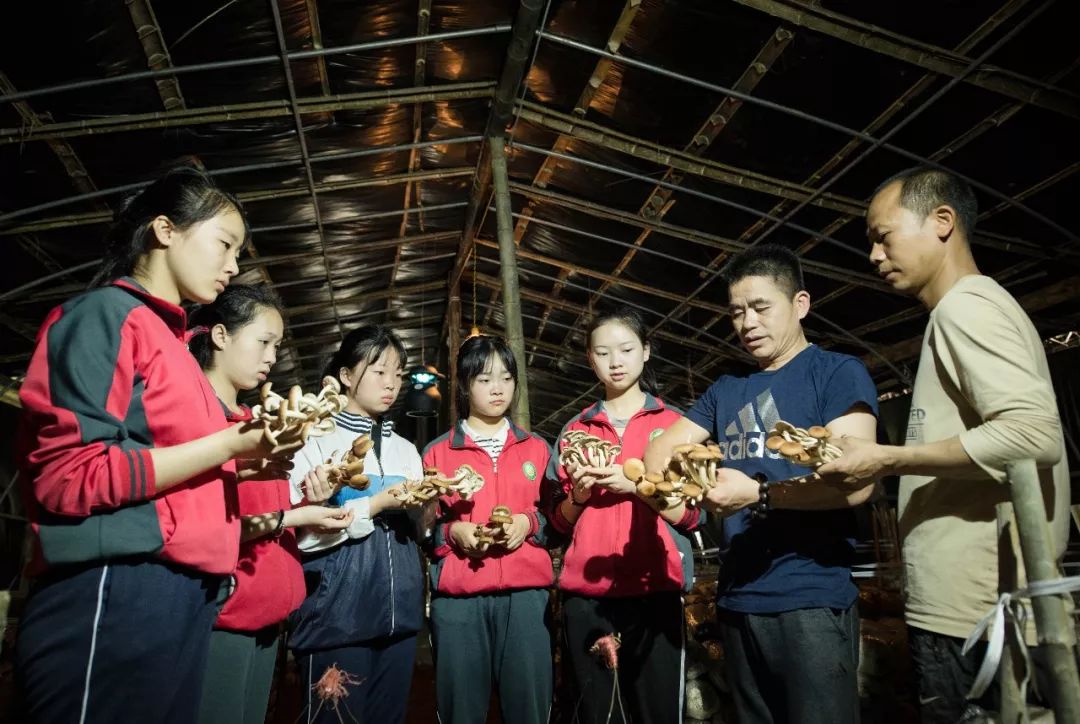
x=584, y=449
x=806, y=447
x=466, y=482
x=299, y=415
x=350, y=469
x=690, y=474
x=497, y=529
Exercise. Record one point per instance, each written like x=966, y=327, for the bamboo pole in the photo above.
x=515, y=332
x=1051, y=617
x=1009, y=675
x=454, y=345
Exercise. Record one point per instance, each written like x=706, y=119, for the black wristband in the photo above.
x=760, y=509
x=279, y=529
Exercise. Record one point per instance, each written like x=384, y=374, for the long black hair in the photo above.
x=185, y=195
x=472, y=362
x=629, y=318
x=236, y=307
x=364, y=344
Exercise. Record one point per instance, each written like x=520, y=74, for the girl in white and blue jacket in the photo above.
x=365, y=587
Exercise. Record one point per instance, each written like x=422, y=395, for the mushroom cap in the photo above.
x=633, y=469
x=264, y=391
x=501, y=515
x=646, y=488
x=359, y=481
x=693, y=491
x=791, y=449
x=684, y=448
x=672, y=475
x=782, y=427
x=332, y=383
x=362, y=444
x=704, y=455
x=715, y=448
x=775, y=442
x=819, y=432
x=665, y=486
x=295, y=393
x=654, y=478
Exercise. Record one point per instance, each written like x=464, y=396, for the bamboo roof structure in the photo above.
x=647, y=140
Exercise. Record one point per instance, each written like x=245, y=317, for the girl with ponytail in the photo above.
x=127, y=461
x=627, y=562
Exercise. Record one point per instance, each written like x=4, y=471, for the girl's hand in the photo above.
x=251, y=442
x=321, y=517
x=613, y=479
x=317, y=486
x=385, y=500
x=518, y=531
x=260, y=469
x=463, y=535
x=583, y=481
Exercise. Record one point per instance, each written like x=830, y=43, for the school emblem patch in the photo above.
x=656, y=433
x=529, y=469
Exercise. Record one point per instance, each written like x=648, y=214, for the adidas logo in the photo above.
x=745, y=435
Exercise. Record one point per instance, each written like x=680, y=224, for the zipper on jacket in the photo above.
x=390, y=556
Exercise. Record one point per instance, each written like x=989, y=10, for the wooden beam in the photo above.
x=187, y=117
x=253, y=196
x=923, y=55
x=157, y=54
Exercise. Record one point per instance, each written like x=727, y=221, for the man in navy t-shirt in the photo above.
x=786, y=598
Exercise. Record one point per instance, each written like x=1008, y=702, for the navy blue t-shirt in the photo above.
x=790, y=559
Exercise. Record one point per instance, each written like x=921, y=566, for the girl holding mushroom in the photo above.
x=628, y=560
x=127, y=464
x=235, y=341
x=490, y=570
x=365, y=587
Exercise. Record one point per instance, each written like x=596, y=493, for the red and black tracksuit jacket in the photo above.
x=110, y=379
x=620, y=546
x=269, y=577
x=516, y=481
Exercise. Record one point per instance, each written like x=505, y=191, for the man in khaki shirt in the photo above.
x=982, y=397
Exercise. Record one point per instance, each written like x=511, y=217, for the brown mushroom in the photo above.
x=633, y=469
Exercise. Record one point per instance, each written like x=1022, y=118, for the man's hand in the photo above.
x=863, y=462
x=732, y=491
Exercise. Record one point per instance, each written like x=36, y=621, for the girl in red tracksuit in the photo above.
x=489, y=601
x=627, y=563
x=235, y=341
x=128, y=474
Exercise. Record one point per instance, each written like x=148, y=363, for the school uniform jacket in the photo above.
x=621, y=547
x=110, y=379
x=363, y=583
x=515, y=480
x=269, y=579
